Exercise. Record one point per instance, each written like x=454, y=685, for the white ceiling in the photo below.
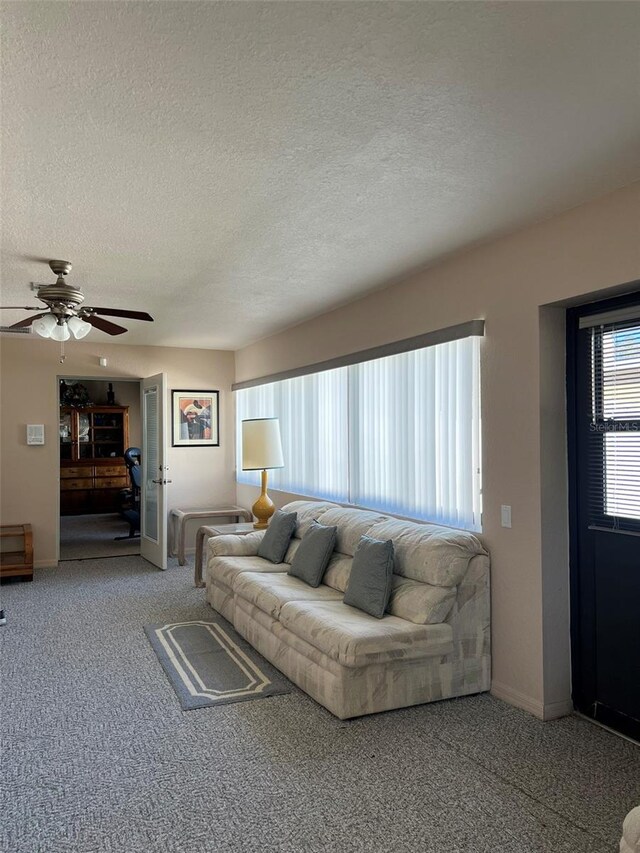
x=234, y=168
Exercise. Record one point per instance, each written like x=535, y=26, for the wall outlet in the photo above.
x=505, y=513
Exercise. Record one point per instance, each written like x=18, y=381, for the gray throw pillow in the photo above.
x=273, y=545
x=369, y=586
x=313, y=554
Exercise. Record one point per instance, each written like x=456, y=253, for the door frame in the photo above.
x=74, y=377
x=582, y=584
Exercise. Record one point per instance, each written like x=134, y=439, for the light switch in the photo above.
x=506, y=515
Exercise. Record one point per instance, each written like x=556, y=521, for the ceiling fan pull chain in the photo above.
x=62, y=355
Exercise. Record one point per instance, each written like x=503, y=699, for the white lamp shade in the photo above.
x=78, y=328
x=44, y=326
x=60, y=332
x=261, y=444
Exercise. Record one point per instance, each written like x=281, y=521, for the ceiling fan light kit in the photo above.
x=43, y=326
x=60, y=332
x=65, y=316
x=78, y=327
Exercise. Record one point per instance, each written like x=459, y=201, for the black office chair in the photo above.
x=129, y=499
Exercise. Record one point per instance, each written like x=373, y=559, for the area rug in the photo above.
x=209, y=664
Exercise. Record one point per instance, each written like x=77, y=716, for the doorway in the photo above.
x=603, y=363
x=99, y=504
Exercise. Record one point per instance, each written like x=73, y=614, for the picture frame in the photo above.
x=195, y=417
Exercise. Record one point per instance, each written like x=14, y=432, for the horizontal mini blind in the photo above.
x=614, y=441
x=400, y=433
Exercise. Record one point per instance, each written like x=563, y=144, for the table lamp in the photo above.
x=262, y=449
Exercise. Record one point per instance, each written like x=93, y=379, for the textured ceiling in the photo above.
x=234, y=168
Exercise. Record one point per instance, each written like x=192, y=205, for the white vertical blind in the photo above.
x=414, y=437
x=313, y=425
x=399, y=434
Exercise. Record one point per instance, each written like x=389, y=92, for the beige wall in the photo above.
x=29, y=394
x=588, y=250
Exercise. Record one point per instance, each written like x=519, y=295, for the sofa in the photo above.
x=630, y=841
x=432, y=643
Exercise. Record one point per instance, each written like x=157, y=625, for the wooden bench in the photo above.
x=17, y=563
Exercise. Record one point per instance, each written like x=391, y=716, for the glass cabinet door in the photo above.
x=66, y=436
x=93, y=434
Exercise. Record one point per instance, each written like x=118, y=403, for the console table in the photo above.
x=218, y=530
x=178, y=524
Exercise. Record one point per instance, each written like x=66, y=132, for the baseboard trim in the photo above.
x=548, y=711
x=555, y=710
x=520, y=700
x=44, y=564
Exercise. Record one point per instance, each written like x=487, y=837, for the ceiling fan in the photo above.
x=65, y=315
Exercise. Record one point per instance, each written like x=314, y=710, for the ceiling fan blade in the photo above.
x=20, y=307
x=118, y=312
x=29, y=320
x=105, y=325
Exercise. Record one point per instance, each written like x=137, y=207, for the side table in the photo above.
x=218, y=530
x=178, y=524
x=19, y=561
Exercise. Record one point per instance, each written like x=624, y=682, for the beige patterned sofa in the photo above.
x=433, y=643
x=630, y=841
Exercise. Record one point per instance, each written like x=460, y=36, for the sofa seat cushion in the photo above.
x=227, y=569
x=354, y=638
x=271, y=592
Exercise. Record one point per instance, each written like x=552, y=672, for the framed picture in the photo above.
x=195, y=418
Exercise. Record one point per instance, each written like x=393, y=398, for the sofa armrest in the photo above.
x=230, y=545
x=470, y=616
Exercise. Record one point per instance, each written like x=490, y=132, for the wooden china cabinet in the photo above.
x=92, y=469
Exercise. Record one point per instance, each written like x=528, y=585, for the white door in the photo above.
x=153, y=507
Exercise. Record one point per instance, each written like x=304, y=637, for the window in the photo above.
x=314, y=428
x=614, y=455
x=400, y=433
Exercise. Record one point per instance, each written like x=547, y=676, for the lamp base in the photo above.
x=264, y=507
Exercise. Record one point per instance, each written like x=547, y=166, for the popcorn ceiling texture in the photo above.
x=236, y=167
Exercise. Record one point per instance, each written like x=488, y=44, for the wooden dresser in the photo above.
x=92, y=468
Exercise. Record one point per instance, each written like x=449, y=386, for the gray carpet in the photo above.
x=97, y=756
x=92, y=536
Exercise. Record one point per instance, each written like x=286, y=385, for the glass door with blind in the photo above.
x=604, y=441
